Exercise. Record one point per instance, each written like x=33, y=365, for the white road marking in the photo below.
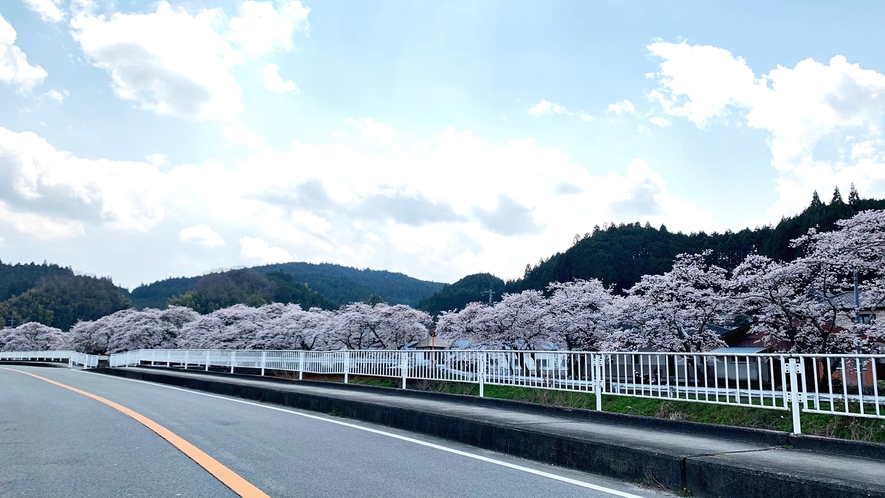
x=493, y=461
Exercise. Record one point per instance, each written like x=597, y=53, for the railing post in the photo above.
x=793, y=369
x=263, y=361
x=481, y=372
x=404, y=367
x=597, y=378
x=231, y=358
x=301, y=364
x=346, y=364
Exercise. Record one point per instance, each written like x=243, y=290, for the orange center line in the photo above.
x=228, y=477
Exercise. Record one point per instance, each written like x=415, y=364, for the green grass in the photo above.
x=853, y=428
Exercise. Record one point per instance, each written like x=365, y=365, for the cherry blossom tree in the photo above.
x=234, y=327
x=580, y=313
x=149, y=329
x=463, y=325
x=807, y=305
x=31, y=336
x=295, y=328
x=365, y=326
x=94, y=337
x=670, y=312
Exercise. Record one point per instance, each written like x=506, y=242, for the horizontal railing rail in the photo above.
x=845, y=385
x=72, y=357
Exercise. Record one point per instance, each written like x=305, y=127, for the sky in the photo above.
x=146, y=140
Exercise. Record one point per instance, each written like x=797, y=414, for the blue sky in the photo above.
x=143, y=140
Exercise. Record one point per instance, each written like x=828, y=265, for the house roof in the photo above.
x=433, y=343
x=739, y=351
x=725, y=332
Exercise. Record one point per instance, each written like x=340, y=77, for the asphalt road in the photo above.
x=55, y=442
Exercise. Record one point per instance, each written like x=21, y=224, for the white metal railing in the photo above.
x=847, y=385
x=72, y=357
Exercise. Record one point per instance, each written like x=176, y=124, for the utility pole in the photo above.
x=857, y=308
x=491, y=293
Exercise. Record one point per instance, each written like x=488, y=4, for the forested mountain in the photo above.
x=15, y=279
x=60, y=301
x=469, y=289
x=343, y=285
x=620, y=254
x=220, y=290
x=156, y=294
x=321, y=285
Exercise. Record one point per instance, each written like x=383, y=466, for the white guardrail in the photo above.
x=72, y=357
x=845, y=385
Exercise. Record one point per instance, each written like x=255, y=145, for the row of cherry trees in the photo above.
x=806, y=305
x=801, y=306
x=273, y=326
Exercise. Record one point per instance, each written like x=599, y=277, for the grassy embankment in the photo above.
x=854, y=428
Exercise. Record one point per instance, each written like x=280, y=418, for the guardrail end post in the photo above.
x=301, y=365
x=597, y=379
x=404, y=367
x=793, y=368
x=481, y=370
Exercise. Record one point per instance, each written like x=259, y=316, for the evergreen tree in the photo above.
x=853, y=197
x=837, y=198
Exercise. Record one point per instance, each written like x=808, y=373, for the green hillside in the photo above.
x=469, y=289
x=621, y=254
x=63, y=300
x=342, y=284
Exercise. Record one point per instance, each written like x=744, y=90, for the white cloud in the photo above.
x=261, y=27
x=441, y=208
x=545, y=107
x=157, y=159
x=658, y=121
x=274, y=82
x=800, y=108
x=201, y=234
x=168, y=61
x=39, y=226
x=68, y=191
x=624, y=106
x=58, y=97
x=14, y=67
x=239, y=134
x=179, y=63
x=261, y=250
x=47, y=9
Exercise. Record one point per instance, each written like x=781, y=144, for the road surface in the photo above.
x=55, y=441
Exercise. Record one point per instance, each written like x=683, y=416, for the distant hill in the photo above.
x=321, y=285
x=220, y=290
x=469, y=289
x=156, y=294
x=18, y=278
x=621, y=254
x=60, y=301
x=343, y=285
